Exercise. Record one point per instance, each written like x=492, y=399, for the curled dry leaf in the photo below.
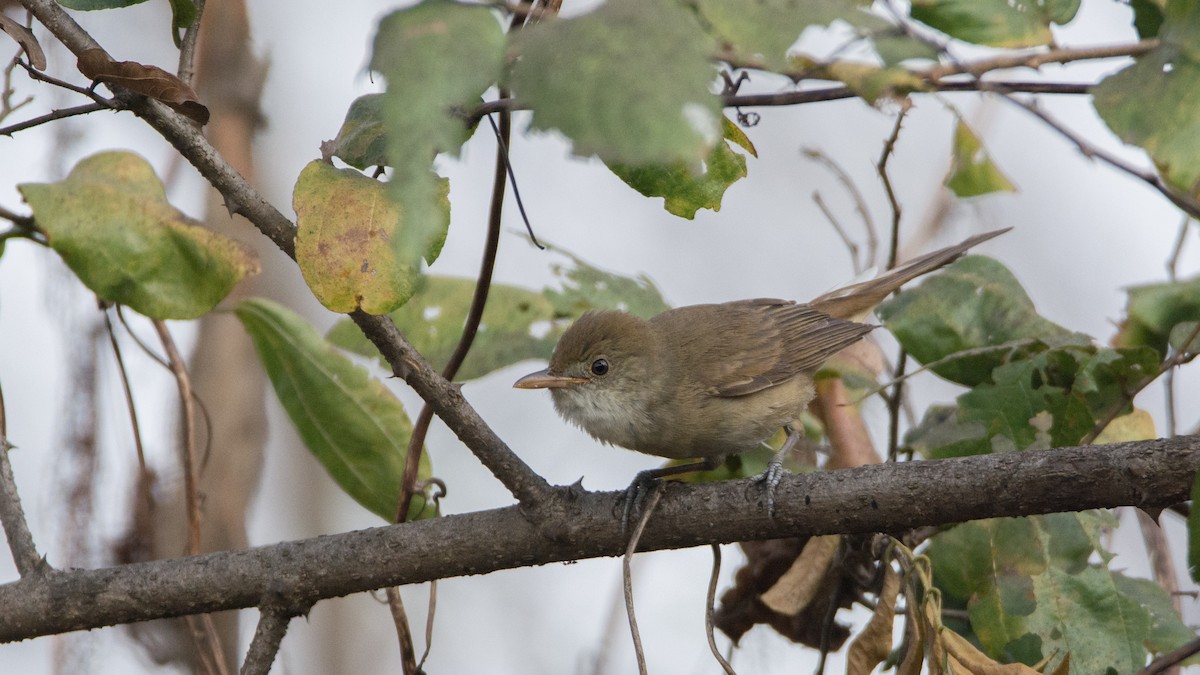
x=795, y=589
x=150, y=81
x=24, y=37
x=874, y=643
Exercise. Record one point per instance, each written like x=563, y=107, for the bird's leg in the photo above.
x=774, y=473
x=642, y=482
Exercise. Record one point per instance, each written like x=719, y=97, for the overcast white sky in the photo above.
x=1082, y=233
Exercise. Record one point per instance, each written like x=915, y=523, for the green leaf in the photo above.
x=350, y=421
x=110, y=221
x=362, y=141
x=516, y=326
x=438, y=57
x=764, y=30
x=972, y=172
x=974, y=303
x=1153, y=311
x=683, y=191
x=586, y=288
x=997, y=23
x=1031, y=593
x=183, y=13
x=1147, y=17
x=1167, y=631
x=629, y=82
x=345, y=224
x=1152, y=103
x=1194, y=532
x=895, y=47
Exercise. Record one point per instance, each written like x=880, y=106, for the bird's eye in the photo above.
x=599, y=367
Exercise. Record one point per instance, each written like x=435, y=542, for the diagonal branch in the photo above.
x=578, y=524
x=241, y=198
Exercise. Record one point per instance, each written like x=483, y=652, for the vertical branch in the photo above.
x=12, y=516
x=272, y=626
x=184, y=383
x=187, y=47
x=895, y=399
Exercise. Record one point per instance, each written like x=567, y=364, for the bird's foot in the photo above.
x=644, y=483
x=770, y=480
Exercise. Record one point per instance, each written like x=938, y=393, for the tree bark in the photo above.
x=576, y=524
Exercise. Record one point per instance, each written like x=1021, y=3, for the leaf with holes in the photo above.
x=1152, y=103
x=628, y=82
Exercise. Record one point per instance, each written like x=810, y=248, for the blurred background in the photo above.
x=1082, y=233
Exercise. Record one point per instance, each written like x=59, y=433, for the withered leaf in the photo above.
x=24, y=37
x=803, y=580
x=874, y=643
x=149, y=81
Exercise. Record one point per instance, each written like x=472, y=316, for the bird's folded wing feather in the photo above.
x=776, y=340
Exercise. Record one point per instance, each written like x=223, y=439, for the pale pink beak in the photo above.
x=543, y=379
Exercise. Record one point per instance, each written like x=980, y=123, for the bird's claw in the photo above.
x=643, y=484
x=770, y=479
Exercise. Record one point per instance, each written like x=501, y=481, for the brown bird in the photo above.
x=706, y=381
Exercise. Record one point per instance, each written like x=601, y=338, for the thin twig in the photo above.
x=190, y=479
x=133, y=418
x=851, y=247
x=272, y=626
x=1162, y=563
x=1178, y=358
x=889, y=148
x=51, y=116
x=1036, y=60
x=408, y=659
x=709, y=602
x=63, y=84
x=187, y=46
x=1166, y=661
x=627, y=572
x=860, y=203
x=895, y=401
x=1185, y=202
x=12, y=516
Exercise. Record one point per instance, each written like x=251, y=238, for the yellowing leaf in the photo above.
x=1136, y=426
x=346, y=223
x=111, y=223
x=351, y=423
x=972, y=173
x=976, y=662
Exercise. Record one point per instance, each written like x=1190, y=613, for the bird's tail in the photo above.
x=855, y=302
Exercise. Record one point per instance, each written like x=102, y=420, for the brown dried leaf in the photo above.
x=149, y=81
x=804, y=579
x=24, y=37
x=914, y=639
x=967, y=658
x=874, y=643
x=741, y=608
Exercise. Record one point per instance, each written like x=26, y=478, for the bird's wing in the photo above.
x=752, y=345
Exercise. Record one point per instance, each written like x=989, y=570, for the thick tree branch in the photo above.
x=577, y=525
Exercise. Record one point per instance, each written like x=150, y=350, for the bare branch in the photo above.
x=51, y=116
x=12, y=516
x=577, y=525
x=272, y=626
